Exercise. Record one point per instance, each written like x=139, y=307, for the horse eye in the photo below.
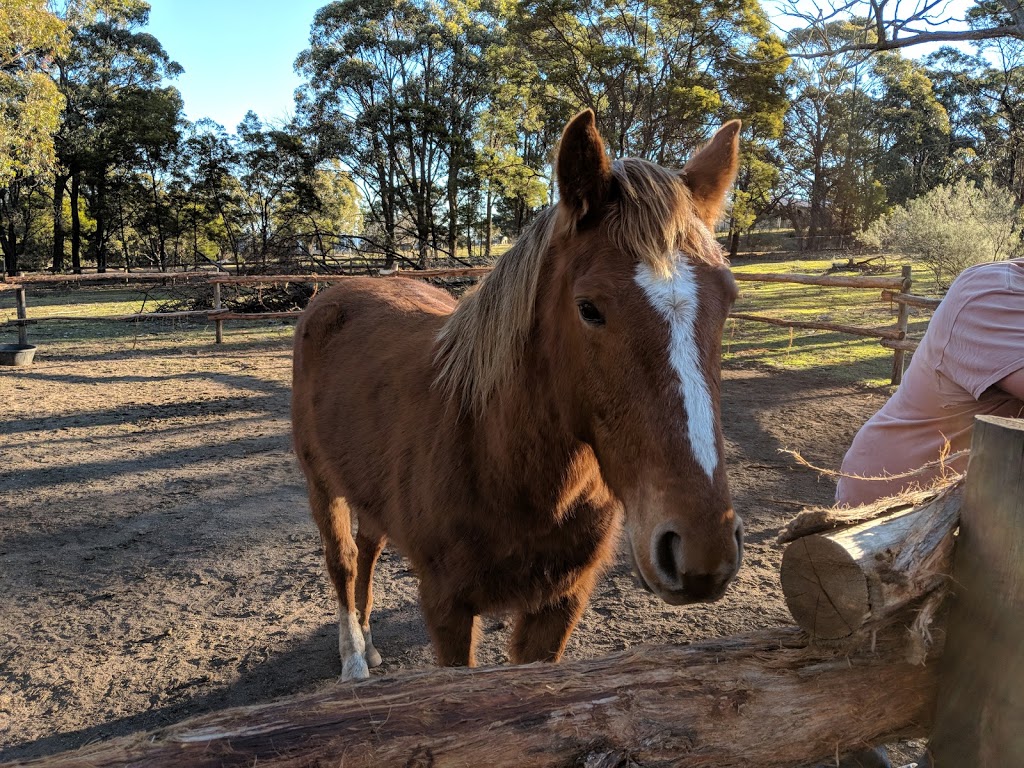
x=590, y=313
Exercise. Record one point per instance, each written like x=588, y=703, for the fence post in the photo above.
x=980, y=704
x=902, y=323
x=217, y=322
x=19, y=294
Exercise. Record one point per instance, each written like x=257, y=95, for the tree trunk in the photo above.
x=488, y=231
x=757, y=701
x=453, y=207
x=76, y=224
x=9, y=242
x=161, y=238
x=60, y=182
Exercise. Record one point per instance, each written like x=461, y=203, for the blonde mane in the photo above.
x=651, y=218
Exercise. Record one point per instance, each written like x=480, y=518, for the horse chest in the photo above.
x=523, y=572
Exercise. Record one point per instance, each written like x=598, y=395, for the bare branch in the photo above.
x=966, y=35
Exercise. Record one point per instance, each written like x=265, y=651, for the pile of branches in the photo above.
x=241, y=298
x=871, y=266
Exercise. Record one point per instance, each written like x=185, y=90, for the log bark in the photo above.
x=757, y=701
x=414, y=273
x=981, y=705
x=906, y=345
x=124, y=277
x=838, y=584
x=834, y=281
x=875, y=333
x=912, y=300
x=229, y=315
x=189, y=313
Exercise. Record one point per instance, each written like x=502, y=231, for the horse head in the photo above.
x=636, y=311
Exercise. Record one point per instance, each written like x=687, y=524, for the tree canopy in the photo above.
x=424, y=131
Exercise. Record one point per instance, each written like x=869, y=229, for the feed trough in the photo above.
x=17, y=354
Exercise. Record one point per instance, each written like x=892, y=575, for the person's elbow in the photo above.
x=1013, y=384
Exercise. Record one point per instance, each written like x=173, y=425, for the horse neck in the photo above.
x=532, y=453
x=529, y=434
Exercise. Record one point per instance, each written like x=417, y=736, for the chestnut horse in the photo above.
x=502, y=441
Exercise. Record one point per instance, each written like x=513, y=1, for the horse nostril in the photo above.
x=665, y=556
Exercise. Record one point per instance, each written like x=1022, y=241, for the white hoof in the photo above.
x=351, y=649
x=354, y=668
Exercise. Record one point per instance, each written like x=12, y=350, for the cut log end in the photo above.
x=825, y=589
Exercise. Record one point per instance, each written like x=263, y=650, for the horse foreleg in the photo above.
x=452, y=627
x=542, y=636
x=334, y=520
x=369, y=547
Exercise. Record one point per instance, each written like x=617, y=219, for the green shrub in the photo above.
x=951, y=228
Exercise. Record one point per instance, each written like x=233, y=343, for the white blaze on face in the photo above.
x=675, y=298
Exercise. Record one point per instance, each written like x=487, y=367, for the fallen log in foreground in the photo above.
x=755, y=701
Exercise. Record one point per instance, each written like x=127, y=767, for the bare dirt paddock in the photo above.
x=157, y=559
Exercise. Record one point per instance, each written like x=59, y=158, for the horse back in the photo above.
x=362, y=374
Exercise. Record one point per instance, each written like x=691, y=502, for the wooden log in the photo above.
x=834, y=281
x=980, y=709
x=229, y=315
x=907, y=345
x=911, y=300
x=837, y=584
x=315, y=278
x=126, y=277
x=9, y=286
x=758, y=701
x=875, y=333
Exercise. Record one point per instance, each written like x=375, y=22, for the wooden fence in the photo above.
x=894, y=289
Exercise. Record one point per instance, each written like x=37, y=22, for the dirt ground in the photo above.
x=157, y=559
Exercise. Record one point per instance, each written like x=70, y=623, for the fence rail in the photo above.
x=894, y=289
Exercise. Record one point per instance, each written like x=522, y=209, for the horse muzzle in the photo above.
x=681, y=574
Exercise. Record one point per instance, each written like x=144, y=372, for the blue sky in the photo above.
x=237, y=54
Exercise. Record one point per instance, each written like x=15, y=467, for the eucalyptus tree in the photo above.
x=658, y=73
x=119, y=111
x=911, y=129
x=886, y=26
x=828, y=135
x=30, y=35
x=30, y=106
x=1002, y=85
x=393, y=90
x=204, y=171
x=959, y=81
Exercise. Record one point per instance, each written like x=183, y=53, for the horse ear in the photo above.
x=711, y=172
x=584, y=173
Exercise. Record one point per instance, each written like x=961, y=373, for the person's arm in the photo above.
x=1013, y=384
